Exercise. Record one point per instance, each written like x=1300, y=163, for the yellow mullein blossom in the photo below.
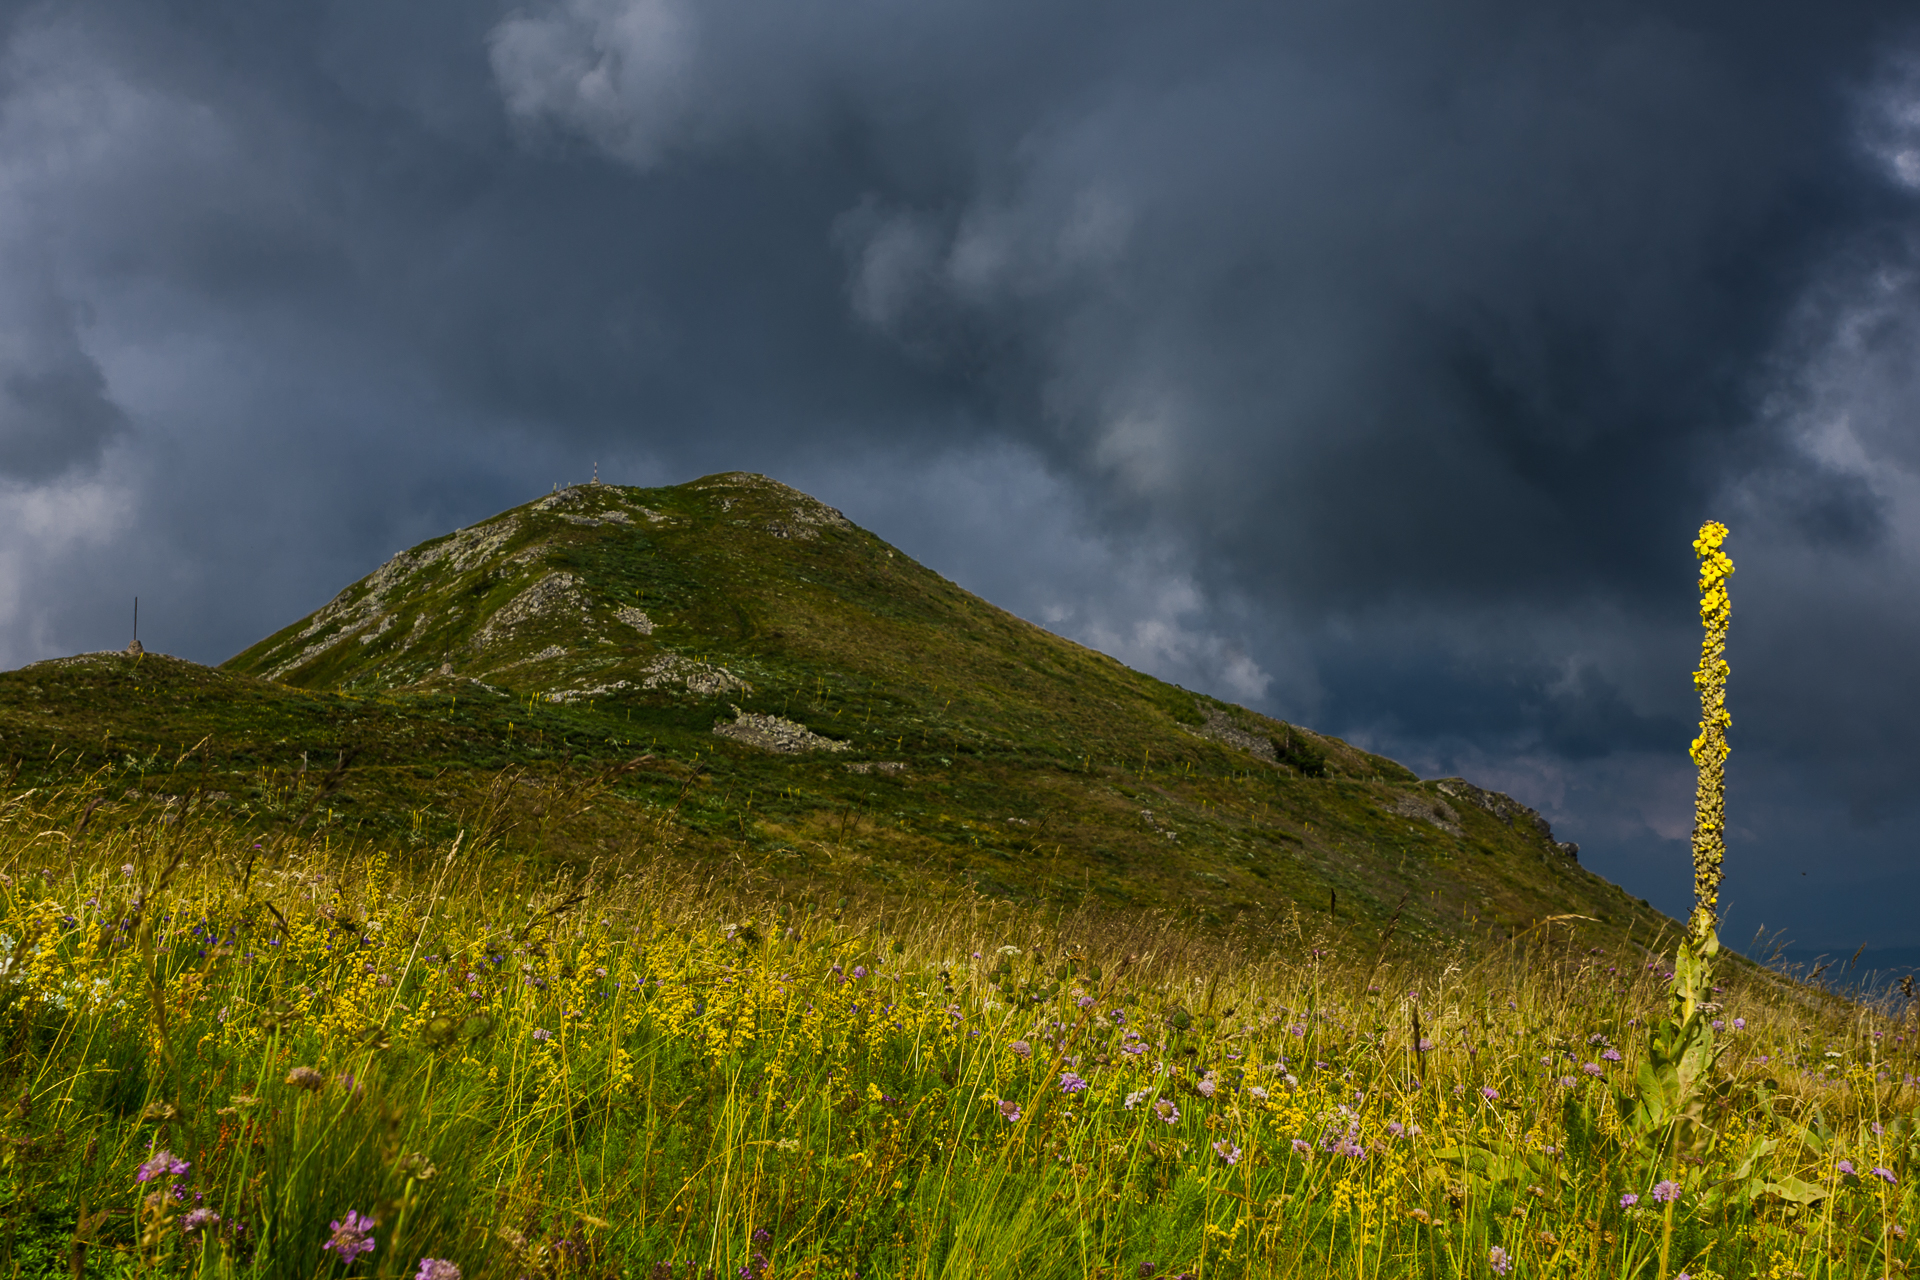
x=1710, y=749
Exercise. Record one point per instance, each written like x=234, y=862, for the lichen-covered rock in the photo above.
x=1222, y=729
x=772, y=733
x=1427, y=809
x=671, y=669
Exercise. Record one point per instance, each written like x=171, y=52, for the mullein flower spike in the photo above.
x=1710, y=749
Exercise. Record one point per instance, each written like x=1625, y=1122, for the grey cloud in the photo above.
x=55, y=411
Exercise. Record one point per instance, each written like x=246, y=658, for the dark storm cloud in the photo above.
x=1372, y=362
x=55, y=414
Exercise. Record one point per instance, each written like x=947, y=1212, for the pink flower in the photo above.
x=1498, y=1259
x=1164, y=1108
x=1665, y=1191
x=163, y=1162
x=1629, y=1200
x=1227, y=1151
x=1009, y=1110
x=351, y=1238
x=437, y=1269
x=1301, y=1147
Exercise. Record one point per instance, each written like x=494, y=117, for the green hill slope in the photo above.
x=730, y=673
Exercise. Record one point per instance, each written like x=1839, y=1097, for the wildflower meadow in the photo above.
x=227, y=1057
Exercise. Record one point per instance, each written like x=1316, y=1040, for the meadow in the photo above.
x=229, y=1057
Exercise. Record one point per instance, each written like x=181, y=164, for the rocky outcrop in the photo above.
x=772, y=733
x=1222, y=729
x=1509, y=811
x=1427, y=809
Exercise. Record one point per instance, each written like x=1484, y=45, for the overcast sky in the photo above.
x=1369, y=362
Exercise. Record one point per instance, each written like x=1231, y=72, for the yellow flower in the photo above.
x=1709, y=750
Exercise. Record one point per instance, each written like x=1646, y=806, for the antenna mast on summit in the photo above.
x=135, y=648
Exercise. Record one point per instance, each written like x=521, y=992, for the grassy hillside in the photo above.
x=730, y=675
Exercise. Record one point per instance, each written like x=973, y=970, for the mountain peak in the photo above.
x=731, y=673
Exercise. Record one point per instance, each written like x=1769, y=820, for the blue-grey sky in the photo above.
x=1369, y=362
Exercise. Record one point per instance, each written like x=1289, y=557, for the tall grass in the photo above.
x=628, y=1075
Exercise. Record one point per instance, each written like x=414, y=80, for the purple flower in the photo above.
x=1227, y=1151
x=1610, y=1055
x=541, y=1033
x=859, y=971
x=1596, y=1038
x=1135, y=1048
x=1885, y=1175
x=351, y=1238
x=1164, y=1108
x=1021, y=1049
x=1567, y=1082
x=1071, y=1083
x=1395, y=1128
x=1718, y=1025
x=1844, y=1168
x=437, y=1269
x=1666, y=1191
x=1301, y=1147
x=1739, y=1024
x=1629, y=1200
x=1594, y=1069
x=1490, y=1093
x=1009, y=1110
x=1084, y=1002
x=1425, y=1045
x=1498, y=1259
x=163, y=1162
x=198, y=1218
x=1207, y=1086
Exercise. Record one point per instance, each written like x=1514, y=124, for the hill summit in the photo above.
x=730, y=672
